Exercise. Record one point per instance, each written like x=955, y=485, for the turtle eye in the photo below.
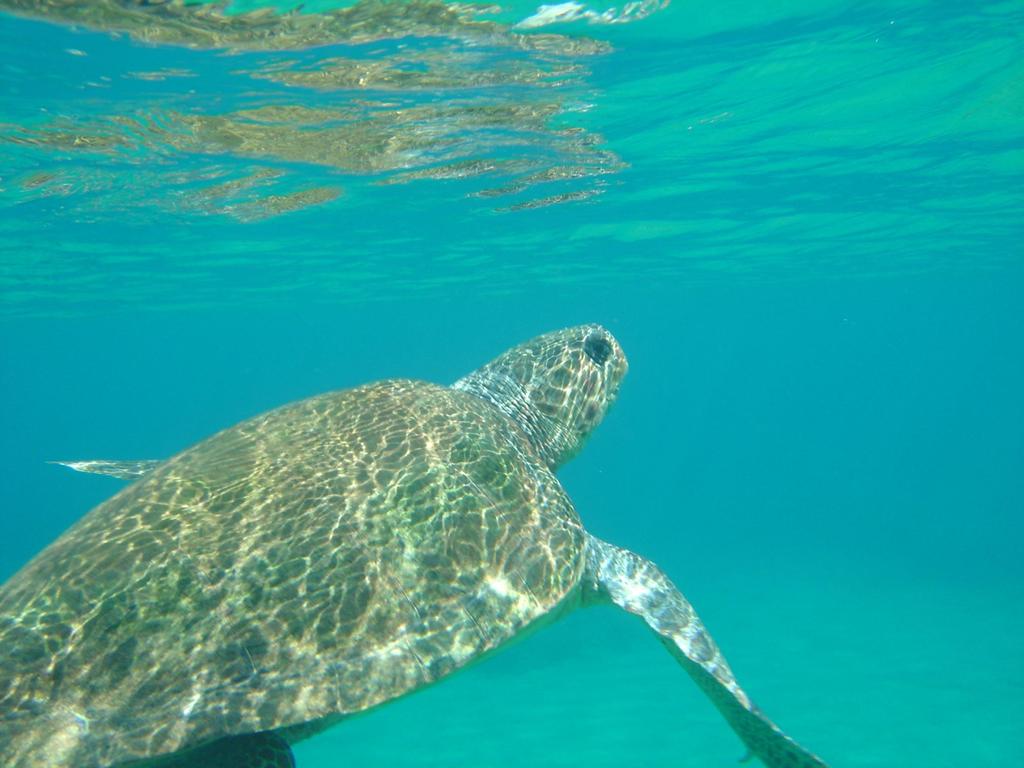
x=597, y=348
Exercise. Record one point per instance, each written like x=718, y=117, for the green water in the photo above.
x=801, y=220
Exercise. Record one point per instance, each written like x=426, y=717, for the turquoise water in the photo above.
x=802, y=221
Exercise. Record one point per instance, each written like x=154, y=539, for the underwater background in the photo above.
x=802, y=220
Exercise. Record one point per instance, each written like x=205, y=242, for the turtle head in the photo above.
x=556, y=387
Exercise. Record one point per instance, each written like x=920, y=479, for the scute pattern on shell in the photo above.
x=311, y=562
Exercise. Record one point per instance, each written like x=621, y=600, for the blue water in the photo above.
x=802, y=222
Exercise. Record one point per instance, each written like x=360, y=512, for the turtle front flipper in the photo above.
x=640, y=587
x=250, y=750
x=123, y=470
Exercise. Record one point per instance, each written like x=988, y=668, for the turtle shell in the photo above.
x=309, y=563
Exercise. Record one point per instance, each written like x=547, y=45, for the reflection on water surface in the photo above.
x=391, y=91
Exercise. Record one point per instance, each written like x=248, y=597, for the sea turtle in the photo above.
x=322, y=559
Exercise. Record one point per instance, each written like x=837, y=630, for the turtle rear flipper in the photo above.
x=249, y=750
